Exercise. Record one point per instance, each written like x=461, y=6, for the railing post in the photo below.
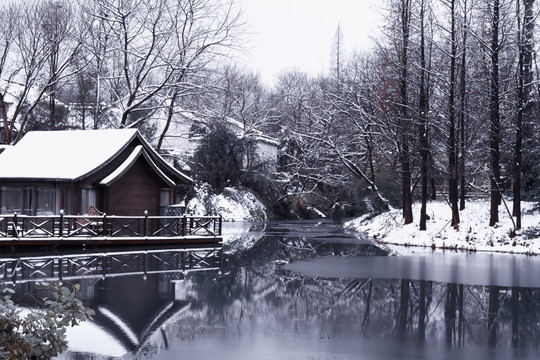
x=220, y=224
x=15, y=232
x=184, y=225
x=145, y=222
x=105, y=224
x=61, y=225
x=60, y=271
x=183, y=258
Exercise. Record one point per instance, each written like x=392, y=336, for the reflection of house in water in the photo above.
x=132, y=293
x=187, y=130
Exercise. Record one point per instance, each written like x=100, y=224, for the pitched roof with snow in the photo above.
x=70, y=155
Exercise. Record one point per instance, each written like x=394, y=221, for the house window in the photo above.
x=88, y=198
x=28, y=201
x=165, y=197
x=12, y=200
x=45, y=201
x=18, y=200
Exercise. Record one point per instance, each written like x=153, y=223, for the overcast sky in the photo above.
x=288, y=34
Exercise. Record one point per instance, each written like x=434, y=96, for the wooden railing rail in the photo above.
x=74, y=267
x=16, y=226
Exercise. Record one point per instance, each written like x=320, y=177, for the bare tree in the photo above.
x=404, y=9
x=295, y=102
x=494, y=111
x=146, y=52
x=463, y=106
x=423, y=104
x=26, y=55
x=58, y=26
x=137, y=67
x=98, y=47
x=394, y=99
x=241, y=95
x=8, y=15
x=452, y=143
x=203, y=32
x=525, y=29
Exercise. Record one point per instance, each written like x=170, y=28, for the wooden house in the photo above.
x=114, y=171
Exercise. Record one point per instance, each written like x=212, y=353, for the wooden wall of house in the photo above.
x=136, y=191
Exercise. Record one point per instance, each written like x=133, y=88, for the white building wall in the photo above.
x=180, y=142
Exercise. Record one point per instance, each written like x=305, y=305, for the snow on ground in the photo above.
x=474, y=232
x=244, y=215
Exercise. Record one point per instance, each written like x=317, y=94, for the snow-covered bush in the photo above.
x=233, y=204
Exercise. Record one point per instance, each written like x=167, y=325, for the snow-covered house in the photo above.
x=187, y=130
x=115, y=171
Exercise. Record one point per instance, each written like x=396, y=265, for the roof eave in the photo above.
x=109, y=160
x=129, y=162
x=155, y=156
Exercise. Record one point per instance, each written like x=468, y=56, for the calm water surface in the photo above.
x=306, y=290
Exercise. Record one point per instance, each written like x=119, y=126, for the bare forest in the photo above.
x=443, y=106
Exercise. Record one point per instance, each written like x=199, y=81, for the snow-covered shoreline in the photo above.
x=474, y=234
x=233, y=204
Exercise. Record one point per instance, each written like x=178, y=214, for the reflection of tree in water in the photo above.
x=267, y=300
x=254, y=295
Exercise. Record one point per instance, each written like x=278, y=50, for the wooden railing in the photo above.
x=75, y=267
x=62, y=226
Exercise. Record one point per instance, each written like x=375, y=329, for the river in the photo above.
x=305, y=290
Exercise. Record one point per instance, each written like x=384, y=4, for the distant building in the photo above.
x=115, y=171
x=187, y=130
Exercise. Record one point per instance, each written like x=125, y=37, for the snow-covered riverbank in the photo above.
x=474, y=234
x=233, y=204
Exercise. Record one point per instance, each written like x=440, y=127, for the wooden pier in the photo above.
x=55, y=231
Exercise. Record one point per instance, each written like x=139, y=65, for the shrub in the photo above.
x=218, y=159
x=41, y=333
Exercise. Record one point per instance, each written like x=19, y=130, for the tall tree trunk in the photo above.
x=494, y=111
x=403, y=309
x=493, y=309
x=422, y=311
x=514, y=304
x=462, y=113
x=170, y=113
x=461, y=318
x=452, y=159
x=7, y=130
x=516, y=210
x=450, y=313
x=98, y=102
x=83, y=115
x=525, y=44
x=404, y=120
x=424, y=108
x=367, y=312
x=52, y=110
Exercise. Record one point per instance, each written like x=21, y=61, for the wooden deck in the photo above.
x=105, y=231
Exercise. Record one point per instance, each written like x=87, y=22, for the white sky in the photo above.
x=289, y=34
